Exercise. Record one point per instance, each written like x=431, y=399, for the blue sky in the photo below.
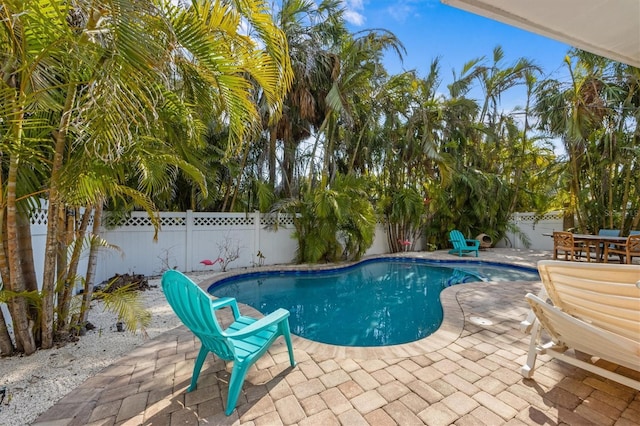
x=429, y=29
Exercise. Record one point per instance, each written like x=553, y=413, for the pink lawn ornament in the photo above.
x=209, y=262
x=405, y=244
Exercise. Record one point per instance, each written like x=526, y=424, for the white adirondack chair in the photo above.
x=596, y=311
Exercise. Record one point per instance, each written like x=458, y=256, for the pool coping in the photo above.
x=450, y=330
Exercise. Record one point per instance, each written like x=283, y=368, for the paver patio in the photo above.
x=467, y=373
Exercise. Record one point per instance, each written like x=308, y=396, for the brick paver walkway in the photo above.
x=465, y=374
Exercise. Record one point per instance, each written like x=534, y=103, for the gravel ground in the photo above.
x=34, y=383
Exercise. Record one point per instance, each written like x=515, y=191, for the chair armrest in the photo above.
x=226, y=301
x=529, y=321
x=273, y=318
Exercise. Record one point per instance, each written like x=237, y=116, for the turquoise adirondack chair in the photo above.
x=461, y=245
x=243, y=342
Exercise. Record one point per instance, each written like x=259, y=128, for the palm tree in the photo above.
x=414, y=163
x=98, y=80
x=596, y=117
x=488, y=151
x=352, y=103
x=313, y=34
x=332, y=223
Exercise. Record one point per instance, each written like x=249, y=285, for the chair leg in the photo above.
x=202, y=355
x=238, y=374
x=286, y=333
x=527, y=369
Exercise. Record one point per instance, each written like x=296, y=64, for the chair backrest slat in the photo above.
x=581, y=336
x=603, y=294
x=193, y=306
x=633, y=244
x=563, y=239
x=456, y=237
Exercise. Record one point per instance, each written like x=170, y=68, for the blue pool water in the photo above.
x=377, y=302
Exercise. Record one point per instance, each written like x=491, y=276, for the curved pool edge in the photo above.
x=450, y=330
x=332, y=267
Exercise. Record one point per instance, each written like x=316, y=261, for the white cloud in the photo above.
x=352, y=12
x=354, y=17
x=408, y=9
x=400, y=12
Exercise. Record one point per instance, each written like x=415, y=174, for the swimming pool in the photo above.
x=377, y=302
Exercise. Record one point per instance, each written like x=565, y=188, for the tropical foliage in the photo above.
x=332, y=224
x=596, y=115
x=240, y=106
x=107, y=101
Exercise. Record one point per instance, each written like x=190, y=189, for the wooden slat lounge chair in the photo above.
x=243, y=342
x=462, y=245
x=596, y=311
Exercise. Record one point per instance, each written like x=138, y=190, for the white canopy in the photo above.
x=609, y=28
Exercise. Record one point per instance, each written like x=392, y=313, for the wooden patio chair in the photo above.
x=564, y=242
x=628, y=250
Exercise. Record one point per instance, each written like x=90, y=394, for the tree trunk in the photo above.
x=18, y=305
x=26, y=251
x=80, y=235
x=28, y=271
x=49, y=275
x=6, y=344
x=70, y=278
x=272, y=156
x=61, y=284
x=91, y=267
x=288, y=159
x=227, y=193
x=519, y=170
x=243, y=165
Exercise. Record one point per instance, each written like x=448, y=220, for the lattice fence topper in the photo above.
x=280, y=220
x=172, y=221
x=39, y=217
x=141, y=221
x=223, y=221
x=533, y=217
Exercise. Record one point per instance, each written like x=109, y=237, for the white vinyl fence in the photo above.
x=535, y=228
x=187, y=238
